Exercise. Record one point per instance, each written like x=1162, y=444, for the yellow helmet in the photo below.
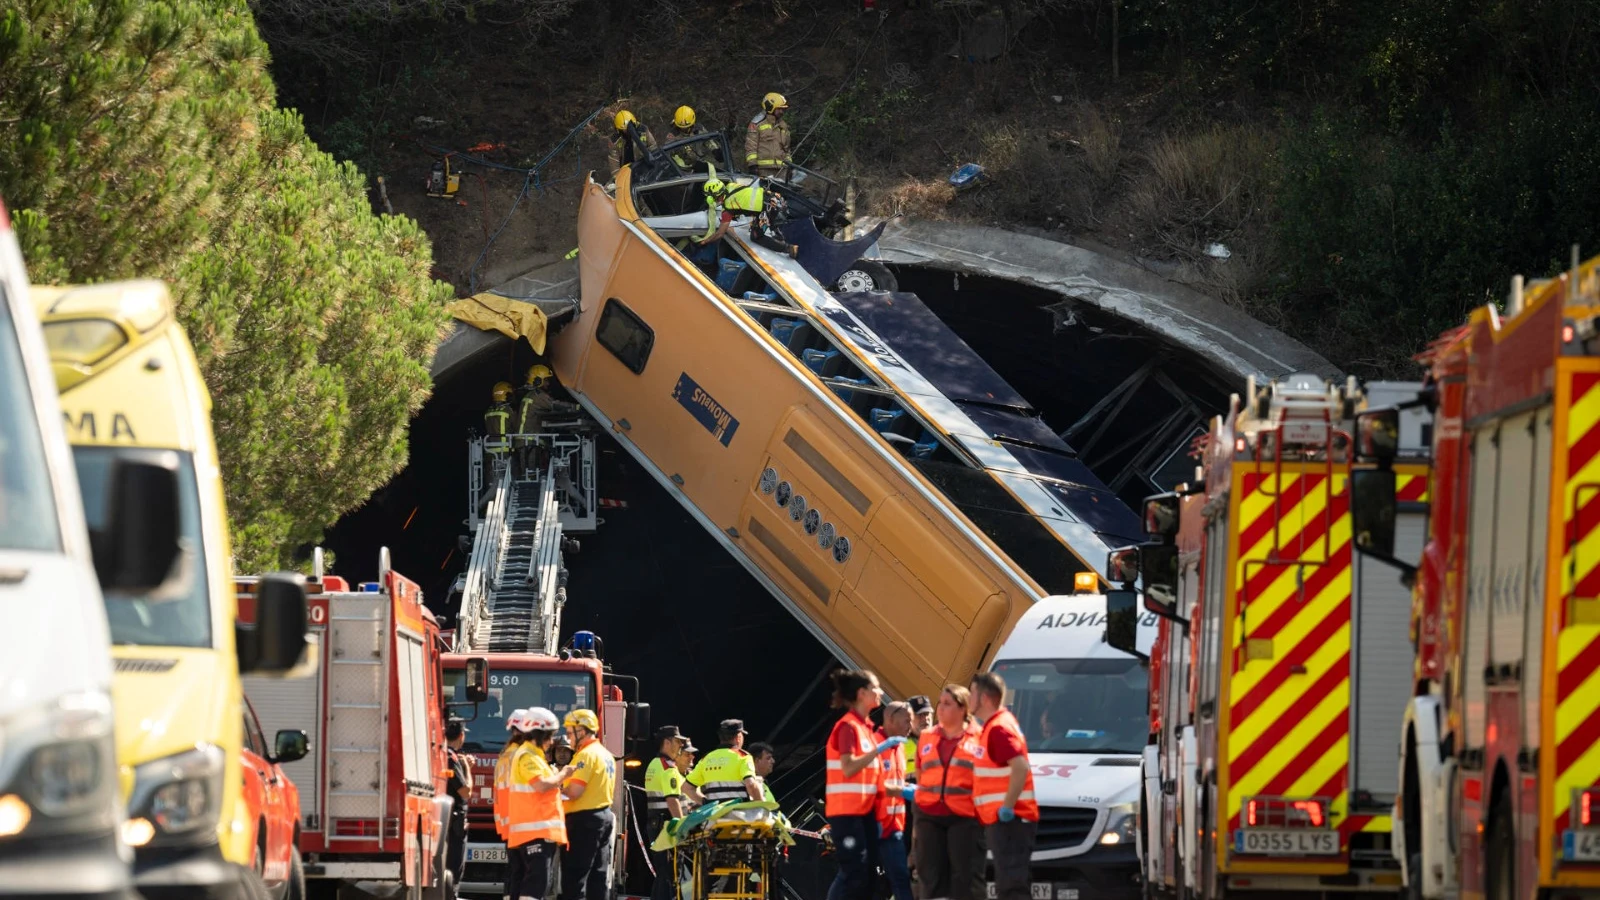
x=684, y=117
x=539, y=374
x=774, y=101
x=583, y=718
x=623, y=119
x=713, y=185
x=502, y=390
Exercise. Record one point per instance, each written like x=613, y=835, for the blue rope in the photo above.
x=531, y=179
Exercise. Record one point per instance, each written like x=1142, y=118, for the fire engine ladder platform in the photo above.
x=357, y=725
x=515, y=581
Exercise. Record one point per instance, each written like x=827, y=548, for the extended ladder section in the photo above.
x=515, y=583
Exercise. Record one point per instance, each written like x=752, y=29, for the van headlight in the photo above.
x=1122, y=825
x=176, y=798
x=56, y=772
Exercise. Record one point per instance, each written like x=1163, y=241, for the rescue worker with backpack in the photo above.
x=535, y=821
x=725, y=201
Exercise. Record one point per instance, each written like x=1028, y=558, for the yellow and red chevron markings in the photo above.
x=1289, y=714
x=1577, y=693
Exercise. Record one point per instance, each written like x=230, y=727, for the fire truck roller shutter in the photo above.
x=293, y=703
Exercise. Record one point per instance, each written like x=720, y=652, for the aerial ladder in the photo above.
x=521, y=505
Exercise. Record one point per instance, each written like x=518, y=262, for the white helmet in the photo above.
x=541, y=719
x=518, y=721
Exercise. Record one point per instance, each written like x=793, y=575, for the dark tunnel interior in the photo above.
x=705, y=639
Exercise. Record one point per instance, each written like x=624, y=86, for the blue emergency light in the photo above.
x=584, y=641
x=369, y=587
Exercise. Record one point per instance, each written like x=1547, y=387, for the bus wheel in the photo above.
x=866, y=275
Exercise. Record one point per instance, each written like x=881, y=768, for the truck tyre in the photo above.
x=296, y=888
x=1500, y=853
x=866, y=275
x=1414, y=870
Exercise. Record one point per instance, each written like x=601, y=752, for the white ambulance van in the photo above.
x=61, y=808
x=1083, y=707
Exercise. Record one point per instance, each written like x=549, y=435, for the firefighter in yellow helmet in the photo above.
x=496, y=421
x=626, y=136
x=591, y=827
x=684, y=126
x=766, y=141
x=727, y=200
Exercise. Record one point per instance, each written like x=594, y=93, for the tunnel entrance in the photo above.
x=705, y=639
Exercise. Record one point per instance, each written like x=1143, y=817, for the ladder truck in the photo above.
x=1271, y=756
x=374, y=811
x=521, y=505
x=1501, y=738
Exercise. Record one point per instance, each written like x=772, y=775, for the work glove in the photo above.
x=908, y=792
x=1007, y=814
x=890, y=743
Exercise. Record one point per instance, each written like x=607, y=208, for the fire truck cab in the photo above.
x=1502, y=738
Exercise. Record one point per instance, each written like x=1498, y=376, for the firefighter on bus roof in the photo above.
x=535, y=824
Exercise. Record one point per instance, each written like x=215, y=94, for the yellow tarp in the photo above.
x=512, y=318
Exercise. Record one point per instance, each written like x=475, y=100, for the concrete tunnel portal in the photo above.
x=677, y=612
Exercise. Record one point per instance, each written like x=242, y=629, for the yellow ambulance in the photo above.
x=131, y=390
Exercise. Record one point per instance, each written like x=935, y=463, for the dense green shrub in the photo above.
x=141, y=139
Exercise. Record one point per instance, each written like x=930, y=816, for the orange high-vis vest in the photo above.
x=533, y=814
x=990, y=781
x=891, y=805
x=857, y=794
x=502, y=765
x=953, y=783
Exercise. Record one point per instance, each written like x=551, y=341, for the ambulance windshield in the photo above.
x=1079, y=705
x=510, y=689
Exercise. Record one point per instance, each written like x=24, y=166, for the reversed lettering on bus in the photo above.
x=1074, y=620
x=706, y=410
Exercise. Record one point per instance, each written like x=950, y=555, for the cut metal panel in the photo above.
x=1512, y=554
x=413, y=719
x=1382, y=664
x=294, y=703
x=1538, y=543
x=928, y=345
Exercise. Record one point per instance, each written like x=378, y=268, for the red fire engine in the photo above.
x=372, y=789
x=1501, y=747
x=1271, y=765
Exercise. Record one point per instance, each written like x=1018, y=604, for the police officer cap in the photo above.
x=667, y=733
x=729, y=728
x=919, y=703
x=454, y=729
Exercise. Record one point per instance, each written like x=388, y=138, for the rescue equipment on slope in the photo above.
x=441, y=181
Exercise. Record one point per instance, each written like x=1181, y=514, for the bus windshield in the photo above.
x=27, y=506
x=1080, y=705
x=512, y=689
x=177, y=614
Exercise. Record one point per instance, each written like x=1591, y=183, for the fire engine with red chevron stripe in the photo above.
x=1500, y=742
x=1278, y=672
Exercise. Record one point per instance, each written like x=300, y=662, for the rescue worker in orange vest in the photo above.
x=891, y=803
x=535, y=824
x=949, y=837
x=502, y=791
x=853, y=775
x=1003, y=788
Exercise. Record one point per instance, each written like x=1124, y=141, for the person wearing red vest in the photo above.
x=853, y=775
x=535, y=822
x=1002, y=789
x=893, y=794
x=949, y=838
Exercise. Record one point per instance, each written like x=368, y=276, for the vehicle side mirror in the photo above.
x=477, y=679
x=1122, y=566
x=1372, y=511
x=136, y=550
x=1122, y=621
x=274, y=643
x=1378, y=435
x=1161, y=515
x=638, y=722
x=290, y=745
x=1158, y=570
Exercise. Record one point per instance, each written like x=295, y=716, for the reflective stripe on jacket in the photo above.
x=502, y=766
x=953, y=783
x=720, y=774
x=891, y=803
x=534, y=814
x=990, y=782
x=748, y=200
x=854, y=795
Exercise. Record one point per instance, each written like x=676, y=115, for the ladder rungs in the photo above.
x=355, y=706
